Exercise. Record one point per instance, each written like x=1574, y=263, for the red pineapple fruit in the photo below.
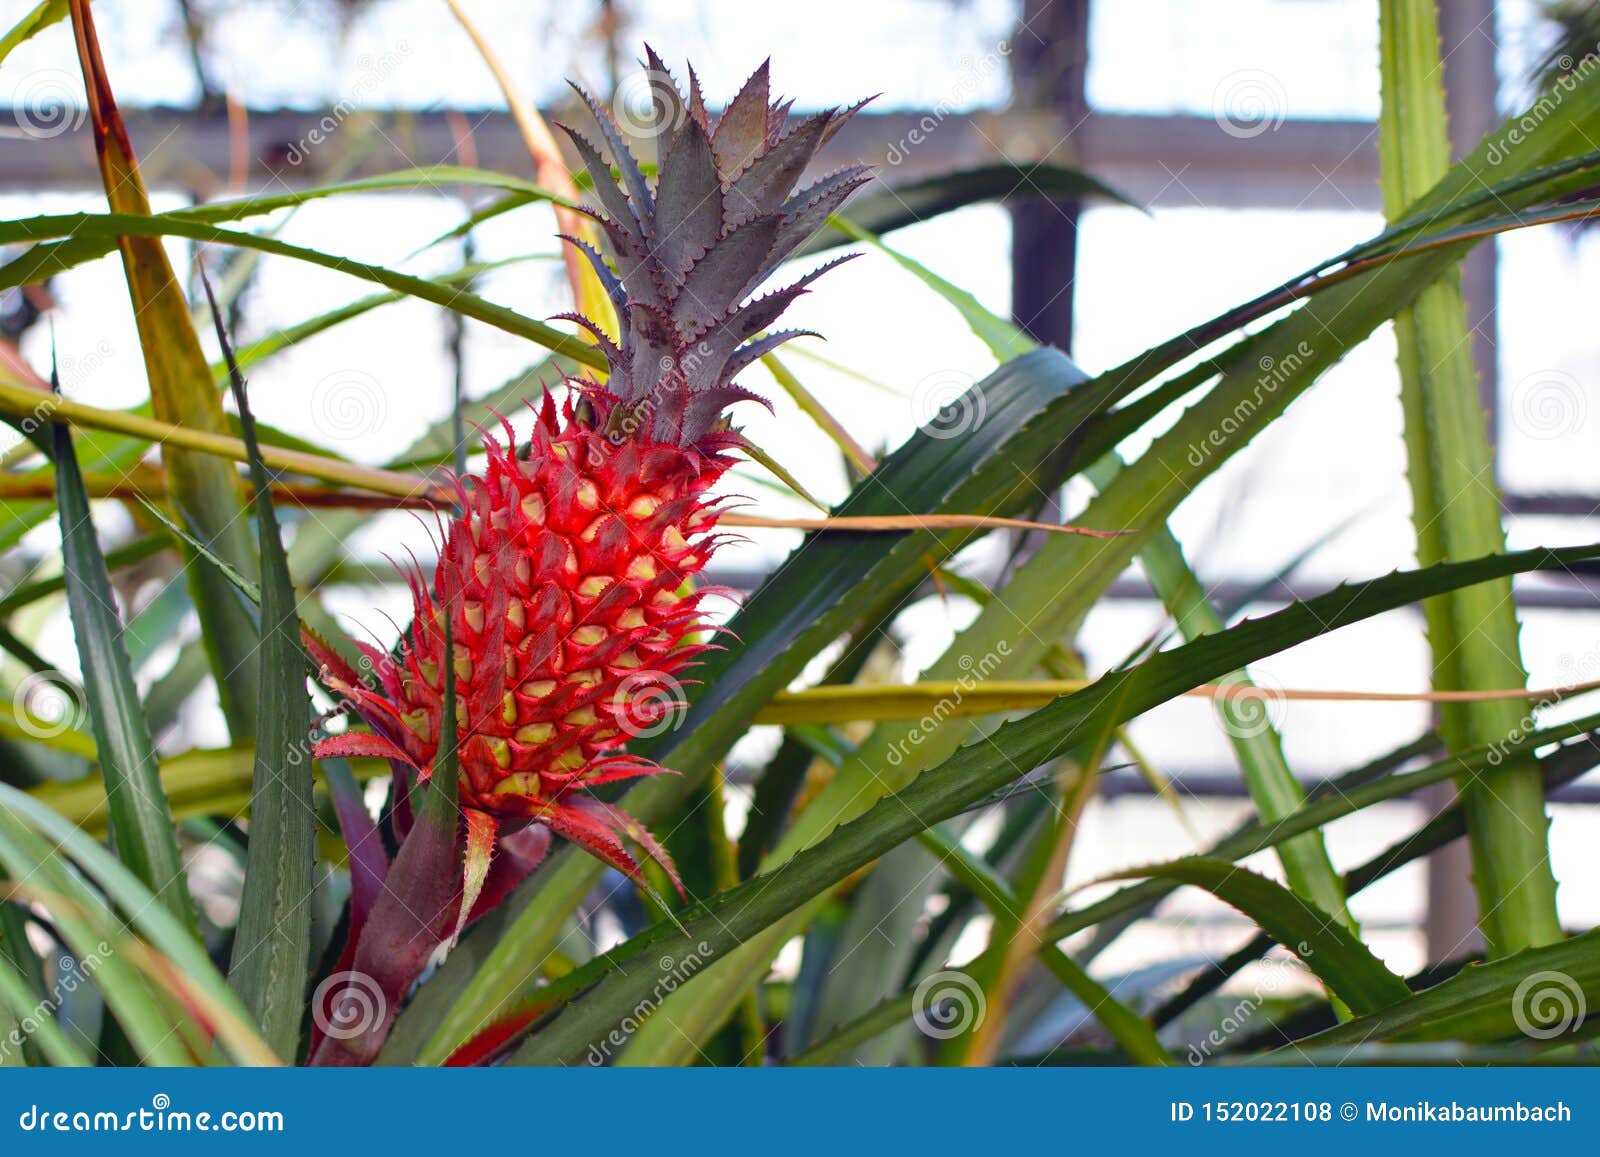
x=568, y=571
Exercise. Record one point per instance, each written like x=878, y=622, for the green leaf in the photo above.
x=1562, y=766
x=1260, y=753
x=428, y=177
x=1565, y=765
x=270, y=960
x=1017, y=930
x=44, y=14
x=34, y=264
x=45, y=1034
x=995, y=467
x=1543, y=989
x=141, y=819
x=1259, y=749
x=606, y=993
x=265, y=347
x=1260, y=756
x=1319, y=812
x=1332, y=800
x=1136, y=502
x=78, y=250
x=19, y=959
x=1455, y=505
x=1131, y=1031
x=205, y=781
x=1296, y=349
x=84, y=923
x=250, y=590
x=782, y=778
x=205, y=490
x=1340, y=960
x=159, y=928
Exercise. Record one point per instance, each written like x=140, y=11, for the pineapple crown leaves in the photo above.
x=725, y=211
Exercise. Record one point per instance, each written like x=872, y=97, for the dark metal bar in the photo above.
x=1049, y=60
x=1566, y=505
x=1156, y=160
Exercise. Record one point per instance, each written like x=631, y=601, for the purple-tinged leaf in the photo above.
x=742, y=130
x=665, y=99
x=808, y=210
x=770, y=179
x=688, y=203
x=723, y=277
x=765, y=344
x=633, y=181
x=612, y=198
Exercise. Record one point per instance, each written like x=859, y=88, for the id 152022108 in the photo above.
x=1223, y=1112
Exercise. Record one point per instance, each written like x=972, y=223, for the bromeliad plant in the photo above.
x=565, y=601
x=532, y=889
x=569, y=576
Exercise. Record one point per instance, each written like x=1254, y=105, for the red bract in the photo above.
x=571, y=621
